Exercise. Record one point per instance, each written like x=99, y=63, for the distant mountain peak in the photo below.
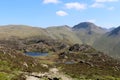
x=89, y=27
x=85, y=25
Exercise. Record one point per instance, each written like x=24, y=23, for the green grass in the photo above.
x=6, y=76
x=108, y=44
x=83, y=72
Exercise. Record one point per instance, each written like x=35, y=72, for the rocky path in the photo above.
x=53, y=74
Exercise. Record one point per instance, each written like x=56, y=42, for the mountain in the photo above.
x=88, y=32
x=109, y=42
x=90, y=27
x=21, y=31
x=84, y=32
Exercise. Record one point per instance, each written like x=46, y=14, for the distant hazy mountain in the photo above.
x=115, y=32
x=90, y=27
x=110, y=42
x=88, y=32
x=110, y=29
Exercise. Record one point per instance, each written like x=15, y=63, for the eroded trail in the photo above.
x=53, y=74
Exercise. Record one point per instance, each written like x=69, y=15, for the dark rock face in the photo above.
x=63, y=46
x=78, y=47
x=56, y=78
x=49, y=79
x=75, y=47
x=53, y=78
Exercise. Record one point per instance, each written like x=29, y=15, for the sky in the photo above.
x=46, y=13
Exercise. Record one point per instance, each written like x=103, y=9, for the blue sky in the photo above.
x=45, y=13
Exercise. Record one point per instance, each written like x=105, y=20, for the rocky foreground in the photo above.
x=64, y=61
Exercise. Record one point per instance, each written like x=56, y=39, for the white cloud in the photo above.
x=75, y=5
x=50, y=1
x=61, y=13
x=91, y=20
x=111, y=8
x=98, y=5
x=102, y=1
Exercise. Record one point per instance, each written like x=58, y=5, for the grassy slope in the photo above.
x=63, y=33
x=21, y=31
x=91, y=64
x=87, y=38
x=13, y=62
x=108, y=44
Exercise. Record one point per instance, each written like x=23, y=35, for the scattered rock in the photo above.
x=44, y=65
x=25, y=64
x=54, y=70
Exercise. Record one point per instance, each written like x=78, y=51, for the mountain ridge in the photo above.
x=82, y=33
